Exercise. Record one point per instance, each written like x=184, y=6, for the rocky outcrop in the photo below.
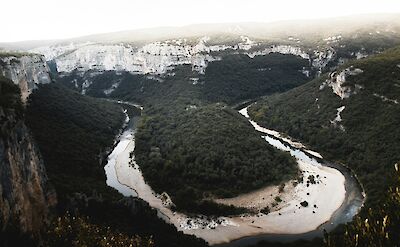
x=26, y=71
x=337, y=80
x=283, y=49
x=25, y=194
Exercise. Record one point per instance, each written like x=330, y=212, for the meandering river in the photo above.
x=334, y=199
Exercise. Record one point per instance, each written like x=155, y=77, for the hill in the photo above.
x=350, y=115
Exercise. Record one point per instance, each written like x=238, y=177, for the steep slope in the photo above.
x=26, y=197
x=73, y=133
x=351, y=115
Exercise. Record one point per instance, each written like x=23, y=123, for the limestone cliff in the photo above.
x=25, y=195
x=25, y=70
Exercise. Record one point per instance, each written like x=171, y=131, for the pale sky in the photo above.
x=56, y=19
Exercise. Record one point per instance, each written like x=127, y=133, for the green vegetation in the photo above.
x=239, y=77
x=204, y=152
x=369, y=143
x=73, y=133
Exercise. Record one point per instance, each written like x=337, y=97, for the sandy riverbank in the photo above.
x=290, y=217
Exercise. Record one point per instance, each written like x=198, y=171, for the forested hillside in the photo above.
x=239, y=77
x=363, y=135
x=74, y=132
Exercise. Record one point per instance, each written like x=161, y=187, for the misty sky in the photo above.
x=55, y=19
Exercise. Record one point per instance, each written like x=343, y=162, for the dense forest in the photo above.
x=239, y=77
x=206, y=151
x=74, y=133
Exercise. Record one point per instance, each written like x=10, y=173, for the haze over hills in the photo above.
x=279, y=29
x=153, y=114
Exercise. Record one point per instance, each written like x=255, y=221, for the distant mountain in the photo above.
x=279, y=29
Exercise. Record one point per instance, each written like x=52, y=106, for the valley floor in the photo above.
x=324, y=196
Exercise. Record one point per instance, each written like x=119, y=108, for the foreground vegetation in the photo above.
x=377, y=227
x=71, y=231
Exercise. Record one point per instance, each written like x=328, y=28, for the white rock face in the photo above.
x=26, y=71
x=159, y=58
x=283, y=49
x=154, y=58
x=336, y=122
x=97, y=57
x=337, y=79
x=322, y=58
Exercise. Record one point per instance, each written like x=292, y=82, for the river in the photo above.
x=337, y=197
